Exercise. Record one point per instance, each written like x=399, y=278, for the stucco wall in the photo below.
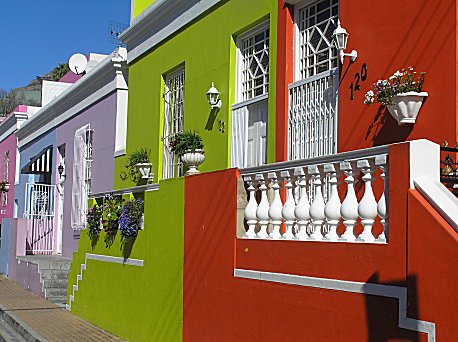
x=102, y=118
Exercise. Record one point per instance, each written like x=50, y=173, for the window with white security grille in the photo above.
x=173, y=122
x=6, y=165
x=312, y=117
x=253, y=62
x=82, y=175
x=249, y=114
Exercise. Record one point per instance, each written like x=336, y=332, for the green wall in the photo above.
x=207, y=50
x=140, y=6
x=138, y=303
x=145, y=303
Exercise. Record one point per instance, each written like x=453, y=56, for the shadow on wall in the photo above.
x=385, y=313
x=387, y=130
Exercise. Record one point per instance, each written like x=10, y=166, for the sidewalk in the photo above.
x=36, y=319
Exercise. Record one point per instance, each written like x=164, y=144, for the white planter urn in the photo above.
x=192, y=159
x=406, y=106
x=144, y=169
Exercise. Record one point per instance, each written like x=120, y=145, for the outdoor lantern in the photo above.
x=340, y=37
x=60, y=169
x=213, y=97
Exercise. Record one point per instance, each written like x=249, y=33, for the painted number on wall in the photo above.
x=359, y=77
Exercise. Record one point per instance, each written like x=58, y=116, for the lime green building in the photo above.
x=176, y=50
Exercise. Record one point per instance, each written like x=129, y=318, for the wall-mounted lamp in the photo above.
x=213, y=97
x=60, y=169
x=340, y=37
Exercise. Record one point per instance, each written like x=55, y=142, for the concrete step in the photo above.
x=58, y=300
x=56, y=292
x=54, y=274
x=55, y=283
x=55, y=265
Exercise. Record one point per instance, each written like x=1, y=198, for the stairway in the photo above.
x=53, y=271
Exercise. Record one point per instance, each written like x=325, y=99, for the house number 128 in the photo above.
x=358, y=76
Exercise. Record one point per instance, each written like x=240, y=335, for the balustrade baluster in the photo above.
x=367, y=208
x=302, y=211
x=332, y=208
x=262, y=212
x=275, y=207
x=288, y=207
x=317, y=207
x=380, y=161
x=349, y=208
x=250, y=210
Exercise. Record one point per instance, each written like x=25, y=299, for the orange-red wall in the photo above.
x=219, y=307
x=388, y=36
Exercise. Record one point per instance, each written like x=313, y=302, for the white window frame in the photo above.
x=171, y=164
x=82, y=176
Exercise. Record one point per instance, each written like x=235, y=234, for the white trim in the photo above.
x=108, y=76
x=132, y=6
x=440, y=198
x=120, y=153
x=103, y=258
x=115, y=260
x=159, y=21
x=250, y=101
x=121, y=120
x=424, y=160
x=11, y=124
x=389, y=291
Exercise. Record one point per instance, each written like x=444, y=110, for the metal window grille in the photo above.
x=253, y=63
x=88, y=156
x=312, y=117
x=6, y=165
x=173, y=122
x=316, y=23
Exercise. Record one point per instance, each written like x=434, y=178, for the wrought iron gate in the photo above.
x=39, y=212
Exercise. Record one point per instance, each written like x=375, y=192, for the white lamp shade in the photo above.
x=340, y=36
x=213, y=95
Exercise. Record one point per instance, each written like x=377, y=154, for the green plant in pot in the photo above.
x=138, y=166
x=188, y=145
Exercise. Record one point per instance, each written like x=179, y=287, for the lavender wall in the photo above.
x=102, y=118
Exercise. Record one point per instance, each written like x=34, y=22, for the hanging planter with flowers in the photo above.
x=131, y=218
x=94, y=220
x=402, y=95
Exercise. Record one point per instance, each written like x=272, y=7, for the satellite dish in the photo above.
x=77, y=63
x=90, y=65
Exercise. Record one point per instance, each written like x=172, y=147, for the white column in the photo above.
x=367, y=208
x=262, y=212
x=303, y=207
x=288, y=207
x=275, y=207
x=349, y=208
x=317, y=207
x=380, y=161
x=250, y=210
x=332, y=208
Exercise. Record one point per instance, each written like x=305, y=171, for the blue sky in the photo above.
x=37, y=35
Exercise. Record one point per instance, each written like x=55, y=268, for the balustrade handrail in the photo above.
x=126, y=191
x=332, y=158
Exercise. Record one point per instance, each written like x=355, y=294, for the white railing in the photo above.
x=39, y=212
x=312, y=116
x=313, y=210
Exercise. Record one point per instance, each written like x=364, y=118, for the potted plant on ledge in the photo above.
x=189, y=146
x=402, y=94
x=138, y=166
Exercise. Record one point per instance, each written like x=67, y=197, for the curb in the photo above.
x=21, y=328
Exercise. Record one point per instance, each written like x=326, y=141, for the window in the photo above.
x=249, y=114
x=173, y=122
x=312, y=115
x=6, y=165
x=82, y=165
x=316, y=24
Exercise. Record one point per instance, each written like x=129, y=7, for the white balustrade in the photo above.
x=262, y=212
x=275, y=210
x=289, y=207
x=313, y=212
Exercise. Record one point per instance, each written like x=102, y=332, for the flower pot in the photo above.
x=6, y=187
x=192, y=159
x=406, y=106
x=144, y=170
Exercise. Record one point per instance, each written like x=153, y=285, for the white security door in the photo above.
x=257, y=134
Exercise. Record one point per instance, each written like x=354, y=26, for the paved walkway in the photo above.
x=36, y=319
